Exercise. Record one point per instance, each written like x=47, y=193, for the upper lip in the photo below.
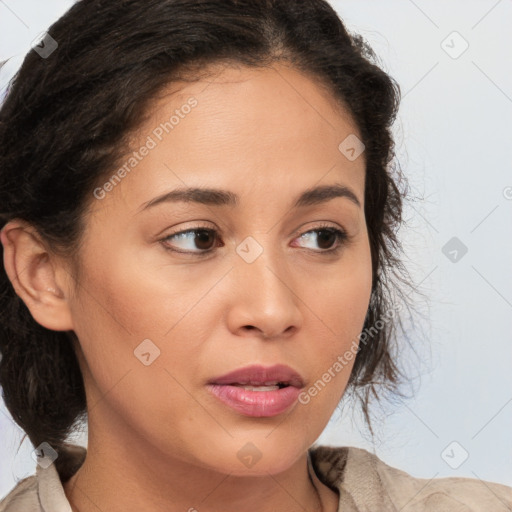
x=261, y=375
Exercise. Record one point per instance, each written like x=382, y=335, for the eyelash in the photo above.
x=341, y=236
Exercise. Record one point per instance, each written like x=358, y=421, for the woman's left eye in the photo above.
x=325, y=236
x=204, y=239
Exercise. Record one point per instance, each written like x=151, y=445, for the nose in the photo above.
x=264, y=302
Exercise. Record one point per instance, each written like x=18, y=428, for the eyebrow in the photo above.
x=219, y=197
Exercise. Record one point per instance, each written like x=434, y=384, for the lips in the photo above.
x=257, y=390
x=281, y=375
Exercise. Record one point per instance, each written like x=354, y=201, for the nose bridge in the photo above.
x=261, y=262
x=264, y=296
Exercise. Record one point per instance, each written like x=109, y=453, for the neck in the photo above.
x=123, y=473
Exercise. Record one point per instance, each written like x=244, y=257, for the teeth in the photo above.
x=268, y=383
x=261, y=388
x=267, y=386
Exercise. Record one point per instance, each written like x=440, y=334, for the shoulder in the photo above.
x=365, y=482
x=23, y=498
x=44, y=492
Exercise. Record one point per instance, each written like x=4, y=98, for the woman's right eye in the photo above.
x=200, y=237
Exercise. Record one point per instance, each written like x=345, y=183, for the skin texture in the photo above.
x=156, y=434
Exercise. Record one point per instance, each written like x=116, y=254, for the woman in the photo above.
x=198, y=230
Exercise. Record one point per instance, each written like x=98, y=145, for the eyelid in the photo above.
x=342, y=236
x=323, y=225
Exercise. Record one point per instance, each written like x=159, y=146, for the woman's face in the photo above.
x=160, y=316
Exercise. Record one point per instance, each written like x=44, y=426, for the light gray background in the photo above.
x=454, y=144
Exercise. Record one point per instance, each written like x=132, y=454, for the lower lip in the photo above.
x=255, y=403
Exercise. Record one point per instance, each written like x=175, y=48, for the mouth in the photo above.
x=261, y=376
x=258, y=391
x=267, y=386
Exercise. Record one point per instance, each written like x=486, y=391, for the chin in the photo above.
x=256, y=455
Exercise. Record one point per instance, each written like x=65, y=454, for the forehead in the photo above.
x=261, y=101
x=261, y=129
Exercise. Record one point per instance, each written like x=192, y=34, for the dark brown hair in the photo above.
x=65, y=123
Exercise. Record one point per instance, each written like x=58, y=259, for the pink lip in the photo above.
x=258, y=403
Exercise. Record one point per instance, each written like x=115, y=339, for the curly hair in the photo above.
x=66, y=121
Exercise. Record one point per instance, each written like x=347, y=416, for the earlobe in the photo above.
x=32, y=272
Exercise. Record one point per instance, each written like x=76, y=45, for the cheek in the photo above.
x=341, y=304
x=124, y=303
x=131, y=298
x=342, y=297
x=120, y=311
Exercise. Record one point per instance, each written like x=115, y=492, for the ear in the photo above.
x=34, y=273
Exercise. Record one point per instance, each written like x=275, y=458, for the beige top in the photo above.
x=364, y=484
